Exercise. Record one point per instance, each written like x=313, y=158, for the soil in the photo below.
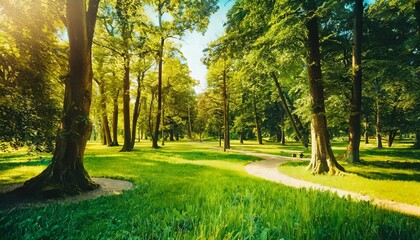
x=108, y=186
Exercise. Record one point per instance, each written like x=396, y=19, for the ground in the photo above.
x=107, y=187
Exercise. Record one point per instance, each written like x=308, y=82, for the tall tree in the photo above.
x=185, y=15
x=126, y=10
x=66, y=173
x=356, y=96
x=100, y=81
x=324, y=160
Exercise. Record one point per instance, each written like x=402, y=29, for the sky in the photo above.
x=194, y=43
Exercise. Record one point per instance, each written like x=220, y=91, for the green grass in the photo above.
x=195, y=191
x=389, y=173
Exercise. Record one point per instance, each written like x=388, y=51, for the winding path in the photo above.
x=267, y=169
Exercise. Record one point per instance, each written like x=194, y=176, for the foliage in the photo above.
x=31, y=66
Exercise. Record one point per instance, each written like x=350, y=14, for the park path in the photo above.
x=267, y=169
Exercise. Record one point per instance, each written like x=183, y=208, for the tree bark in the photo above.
x=353, y=146
x=312, y=164
x=298, y=132
x=105, y=124
x=417, y=141
x=283, y=137
x=391, y=137
x=324, y=158
x=226, y=144
x=378, y=126
x=189, y=123
x=115, y=121
x=159, y=97
x=366, y=130
x=257, y=122
x=137, y=108
x=126, y=104
x=220, y=137
x=150, y=119
x=171, y=134
x=417, y=15
x=163, y=123
x=66, y=174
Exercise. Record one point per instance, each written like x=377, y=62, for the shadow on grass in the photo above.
x=408, y=153
x=393, y=164
x=31, y=163
x=388, y=176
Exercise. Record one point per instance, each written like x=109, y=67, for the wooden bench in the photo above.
x=295, y=153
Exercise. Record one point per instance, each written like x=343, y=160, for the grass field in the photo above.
x=193, y=191
x=389, y=173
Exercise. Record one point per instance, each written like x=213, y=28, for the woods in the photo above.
x=281, y=71
x=207, y=119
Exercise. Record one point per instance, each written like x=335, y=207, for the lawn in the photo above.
x=389, y=173
x=193, y=191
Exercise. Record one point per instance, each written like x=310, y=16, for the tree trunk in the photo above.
x=126, y=104
x=66, y=174
x=257, y=122
x=417, y=15
x=136, y=111
x=283, y=137
x=391, y=137
x=189, y=123
x=106, y=140
x=241, y=135
x=366, y=130
x=378, y=126
x=312, y=164
x=171, y=134
x=298, y=132
x=159, y=97
x=115, y=121
x=163, y=122
x=324, y=158
x=353, y=147
x=228, y=124
x=225, y=114
x=417, y=141
x=150, y=119
x=220, y=137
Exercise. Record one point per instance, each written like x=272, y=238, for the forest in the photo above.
x=336, y=82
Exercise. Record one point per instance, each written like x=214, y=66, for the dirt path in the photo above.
x=267, y=169
x=107, y=187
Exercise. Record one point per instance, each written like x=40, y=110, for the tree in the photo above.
x=126, y=10
x=101, y=82
x=356, y=99
x=324, y=160
x=185, y=15
x=31, y=70
x=142, y=67
x=392, y=67
x=66, y=174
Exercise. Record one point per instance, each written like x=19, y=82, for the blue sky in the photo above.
x=194, y=43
